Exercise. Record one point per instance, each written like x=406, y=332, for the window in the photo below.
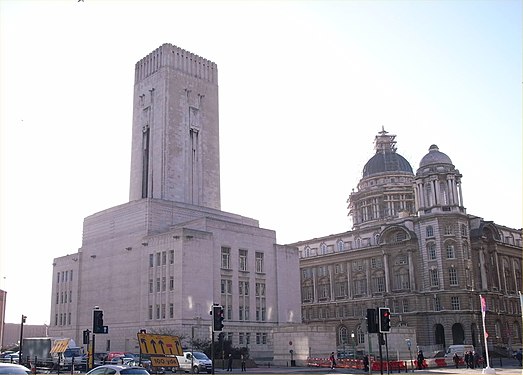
x=339, y=245
x=258, y=338
x=448, y=230
x=164, y=258
x=226, y=286
x=151, y=260
x=243, y=260
x=400, y=236
x=259, y=262
x=226, y=257
x=307, y=251
x=379, y=284
x=158, y=259
x=264, y=338
x=340, y=288
x=431, y=250
x=150, y=312
x=157, y=284
x=171, y=283
x=323, y=249
x=171, y=257
x=171, y=310
x=157, y=311
x=450, y=251
x=376, y=263
x=243, y=288
x=163, y=310
x=338, y=268
x=453, y=276
x=164, y=283
x=437, y=304
x=434, y=278
x=307, y=293
x=463, y=230
x=306, y=273
x=151, y=285
x=401, y=280
x=240, y=338
x=454, y=303
x=405, y=304
x=324, y=291
x=430, y=231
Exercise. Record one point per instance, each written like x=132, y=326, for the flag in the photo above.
x=486, y=334
x=483, y=304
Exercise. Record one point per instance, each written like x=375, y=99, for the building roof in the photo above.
x=435, y=156
x=386, y=162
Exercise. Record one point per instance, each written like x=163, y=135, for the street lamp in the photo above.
x=20, y=356
x=353, y=345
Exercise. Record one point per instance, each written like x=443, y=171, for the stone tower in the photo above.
x=175, y=133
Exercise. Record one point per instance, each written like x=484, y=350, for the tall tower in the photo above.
x=175, y=135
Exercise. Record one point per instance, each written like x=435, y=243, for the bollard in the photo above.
x=500, y=362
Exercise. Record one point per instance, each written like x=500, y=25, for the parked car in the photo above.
x=198, y=360
x=12, y=357
x=118, y=369
x=13, y=368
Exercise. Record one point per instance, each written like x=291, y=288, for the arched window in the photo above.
x=463, y=230
x=340, y=245
x=323, y=249
x=343, y=335
x=307, y=251
x=430, y=231
x=361, y=336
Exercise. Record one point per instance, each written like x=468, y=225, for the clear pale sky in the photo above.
x=304, y=88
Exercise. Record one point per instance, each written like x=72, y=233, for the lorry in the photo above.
x=197, y=361
x=38, y=351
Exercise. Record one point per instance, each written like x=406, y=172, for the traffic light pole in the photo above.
x=212, y=351
x=380, y=336
x=387, y=350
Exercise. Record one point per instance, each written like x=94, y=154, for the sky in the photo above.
x=304, y=87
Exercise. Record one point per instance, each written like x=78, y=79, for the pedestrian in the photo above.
x=467, y=359
x=243, y=362
x=332, y=360
x=366, y=363
x=456, y=359
x=476, y=359
x=229, y=363
x=421, y=358
x=471, y=358
x=519, y=356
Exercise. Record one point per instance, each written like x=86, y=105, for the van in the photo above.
x=460, y=349
x=198, y=360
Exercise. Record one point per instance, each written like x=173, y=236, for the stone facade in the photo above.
x=160, y=261
x=414, y=249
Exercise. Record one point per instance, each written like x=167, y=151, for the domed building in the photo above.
x=414, y=249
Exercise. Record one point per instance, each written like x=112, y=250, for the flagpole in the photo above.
x=488, y=369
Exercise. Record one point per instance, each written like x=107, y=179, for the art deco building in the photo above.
x=413, y=248
x=161, y=260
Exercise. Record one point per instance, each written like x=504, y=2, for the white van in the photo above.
x=198, y=360
x=460, y=349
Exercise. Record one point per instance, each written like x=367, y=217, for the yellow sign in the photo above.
x=164, y=361
x=60, y=346
x=159, y=344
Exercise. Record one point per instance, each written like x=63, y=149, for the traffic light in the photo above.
x=384, y=319
x=217, y=318
x=98, y=321
x=372, y=324
x=86, y=337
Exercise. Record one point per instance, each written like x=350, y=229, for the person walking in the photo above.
x=421, y=358
x=333, y=361
x=456, y=359
x=243, y=362
x=229, y=363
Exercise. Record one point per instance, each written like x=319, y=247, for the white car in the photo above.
x=118, y=369
x=13, y=368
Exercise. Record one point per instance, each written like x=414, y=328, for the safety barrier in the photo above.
x=401, y=365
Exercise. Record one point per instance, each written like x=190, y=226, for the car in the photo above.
x=118, y=369
x=13, y=368
x=10, y=357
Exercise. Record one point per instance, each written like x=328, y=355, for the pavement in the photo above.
x=506, y=367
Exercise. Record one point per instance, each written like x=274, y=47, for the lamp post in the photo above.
x=20, y=355
x=353, y=345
